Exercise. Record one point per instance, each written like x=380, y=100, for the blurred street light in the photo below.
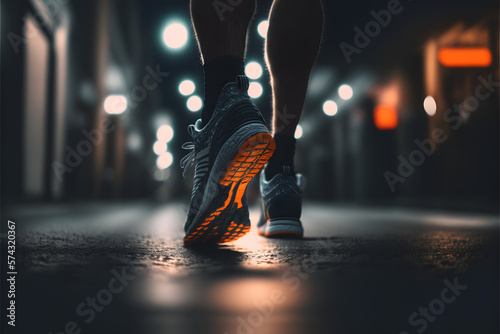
x=175, y=35
x=165, y=133
x=115, y=104
x=255, y=90
x=187, y=87
x=165, y=160
x=385, y=117
x=430, y=106
x=298, y=132
x=345, y=92
x=194, y=103
x=262, y=28
x=330, y=108
x=159, y=147
x=253, y=70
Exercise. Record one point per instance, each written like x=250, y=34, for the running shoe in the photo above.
x=281, y=206
x=227, y=152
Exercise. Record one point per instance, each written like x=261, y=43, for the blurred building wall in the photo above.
x=35, y=110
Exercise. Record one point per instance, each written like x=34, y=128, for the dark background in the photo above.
x=54, y=86
x=377, y=255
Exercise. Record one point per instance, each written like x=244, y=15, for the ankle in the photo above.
x=218, y=72
x=282, y=160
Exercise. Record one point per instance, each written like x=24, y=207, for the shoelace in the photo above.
x=190, y=158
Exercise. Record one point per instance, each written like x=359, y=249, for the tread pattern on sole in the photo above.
x=246, y=164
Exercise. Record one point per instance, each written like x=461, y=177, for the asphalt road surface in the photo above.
x=122, y=268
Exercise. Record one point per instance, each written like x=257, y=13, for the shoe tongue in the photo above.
x=242, y=83
x=287, y=170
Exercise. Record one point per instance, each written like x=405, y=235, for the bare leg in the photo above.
x=221, y=30
x=292, y=44
x=293, y=39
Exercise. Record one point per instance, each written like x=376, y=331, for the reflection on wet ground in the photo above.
x=359, y=270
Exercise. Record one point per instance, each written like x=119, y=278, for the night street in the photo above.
x=380, y=262
x=249, y=167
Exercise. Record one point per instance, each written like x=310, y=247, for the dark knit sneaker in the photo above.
x=281, y=206
x=228, y=151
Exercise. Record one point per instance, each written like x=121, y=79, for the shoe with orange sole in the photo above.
x=228, y=152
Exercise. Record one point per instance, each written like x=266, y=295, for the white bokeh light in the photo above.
x=330, y=108
x=161, y=174
x=345, y=92
x=134, y=141
x=165, y=160
x=255, y=90
x=160, y=147
x=187, y=87
x=430, y=106
x=253, y=70
x=165, y=133
x=115, y=104
x=175, y=35
x=194, y=103
x=262, y=28
x=298, y=132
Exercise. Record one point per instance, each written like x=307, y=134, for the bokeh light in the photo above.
x=465, y=56
x=262, y=28
x=134, y=141
x=345, y=92
x=330, y=108
x=430, y=106
x=385, y=117
x=165, y=133
x=161, y=174
x=255, y=90
x=165, y=160
x=253, y=70
x=187, y=87
x=298, y=132
x=194, y=103
x=175, y=35
x=159, y=147
x=115, y=104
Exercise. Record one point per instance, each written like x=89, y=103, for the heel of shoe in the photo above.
x=244, y=154
x=250, y=159
x=284, y=228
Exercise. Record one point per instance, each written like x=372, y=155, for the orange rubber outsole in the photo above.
x=246, y=164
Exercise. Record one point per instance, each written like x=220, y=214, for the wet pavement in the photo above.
x=122, y=268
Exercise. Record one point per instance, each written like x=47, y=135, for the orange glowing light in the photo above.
x=385, y=117
x=465, y=57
